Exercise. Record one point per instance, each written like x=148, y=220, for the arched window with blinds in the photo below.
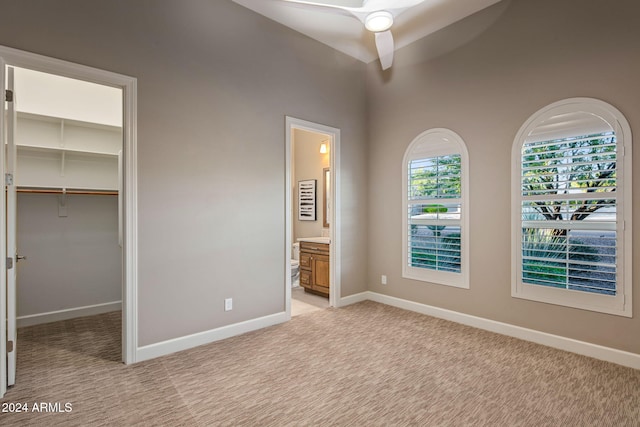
x=571, y=207
x=435, y=237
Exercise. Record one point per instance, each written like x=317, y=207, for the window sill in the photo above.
x=614, y=305
x=456, y=280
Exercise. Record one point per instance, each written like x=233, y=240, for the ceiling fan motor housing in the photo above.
x=378, y=21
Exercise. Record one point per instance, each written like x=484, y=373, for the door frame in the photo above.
x=23, y=59
x=291, y=124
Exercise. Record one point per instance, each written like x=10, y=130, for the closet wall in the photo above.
x=73, y=262
x=68, y=148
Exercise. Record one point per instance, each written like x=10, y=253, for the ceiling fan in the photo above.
x=377, y=17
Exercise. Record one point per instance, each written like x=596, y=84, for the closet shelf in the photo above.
x=54, y=153
x=64, y=120
x=78, y=191
x=42, y=148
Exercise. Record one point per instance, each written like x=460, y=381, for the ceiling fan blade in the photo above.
x=312, y=5
x=384, y=43
x=404, y=4
x=395, y=7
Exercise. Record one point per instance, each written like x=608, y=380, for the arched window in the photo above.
x=571, y=212
x=434, y=229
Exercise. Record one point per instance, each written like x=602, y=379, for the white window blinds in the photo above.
x=569, y=204
x=434, y=213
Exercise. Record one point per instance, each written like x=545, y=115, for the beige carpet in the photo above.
x=363, y=365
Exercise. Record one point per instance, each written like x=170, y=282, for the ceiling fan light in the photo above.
x=378, y=21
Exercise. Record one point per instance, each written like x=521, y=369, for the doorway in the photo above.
x=67, y=146
x=312, y=211
x=69, y=157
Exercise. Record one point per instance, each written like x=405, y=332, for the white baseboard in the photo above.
x=352, y=299
x=624, y=358
x=184, y=343
x=70, y=313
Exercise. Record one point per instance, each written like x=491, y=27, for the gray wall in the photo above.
x=215, y=82
x=537, y=52
x=73, y=261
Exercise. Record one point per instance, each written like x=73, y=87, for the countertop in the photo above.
x=325, y=240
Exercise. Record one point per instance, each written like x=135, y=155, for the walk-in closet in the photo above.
x=68, y=143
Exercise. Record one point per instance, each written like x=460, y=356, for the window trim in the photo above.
x=414, y=151
x=620, y=304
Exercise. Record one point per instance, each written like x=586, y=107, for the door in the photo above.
x=3, y=277
x=10, y=168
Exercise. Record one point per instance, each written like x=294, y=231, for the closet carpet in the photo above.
x=363, y=365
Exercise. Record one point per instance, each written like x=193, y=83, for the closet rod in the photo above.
x=67, y=191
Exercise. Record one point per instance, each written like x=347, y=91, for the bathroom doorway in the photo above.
x=312, y=216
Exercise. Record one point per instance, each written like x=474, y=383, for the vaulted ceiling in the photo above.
x=348, y=35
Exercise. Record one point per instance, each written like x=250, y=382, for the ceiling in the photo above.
x=348, y=35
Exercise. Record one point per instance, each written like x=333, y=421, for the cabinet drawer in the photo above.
x=305, y=260
x=314, y=248
x=305, y=279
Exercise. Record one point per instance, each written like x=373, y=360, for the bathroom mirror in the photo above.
x=326, y=197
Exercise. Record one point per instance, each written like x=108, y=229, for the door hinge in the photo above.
x=8, y=95
x=8, y=179
x=9, y=346
x=9, y=263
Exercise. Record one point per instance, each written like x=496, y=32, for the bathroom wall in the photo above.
x=73, y=262
x=308, y=164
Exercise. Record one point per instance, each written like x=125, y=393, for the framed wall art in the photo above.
x=307, y=200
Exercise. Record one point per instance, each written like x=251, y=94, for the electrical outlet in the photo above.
x=228, y=304
x=383, y=279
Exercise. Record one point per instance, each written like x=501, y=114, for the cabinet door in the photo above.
x=320, y=269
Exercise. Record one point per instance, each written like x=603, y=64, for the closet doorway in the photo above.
x=70, y=146
x=68, y=142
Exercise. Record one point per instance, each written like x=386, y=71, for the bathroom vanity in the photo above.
x=314, y=266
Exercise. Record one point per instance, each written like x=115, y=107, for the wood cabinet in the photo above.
x=314, y=267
